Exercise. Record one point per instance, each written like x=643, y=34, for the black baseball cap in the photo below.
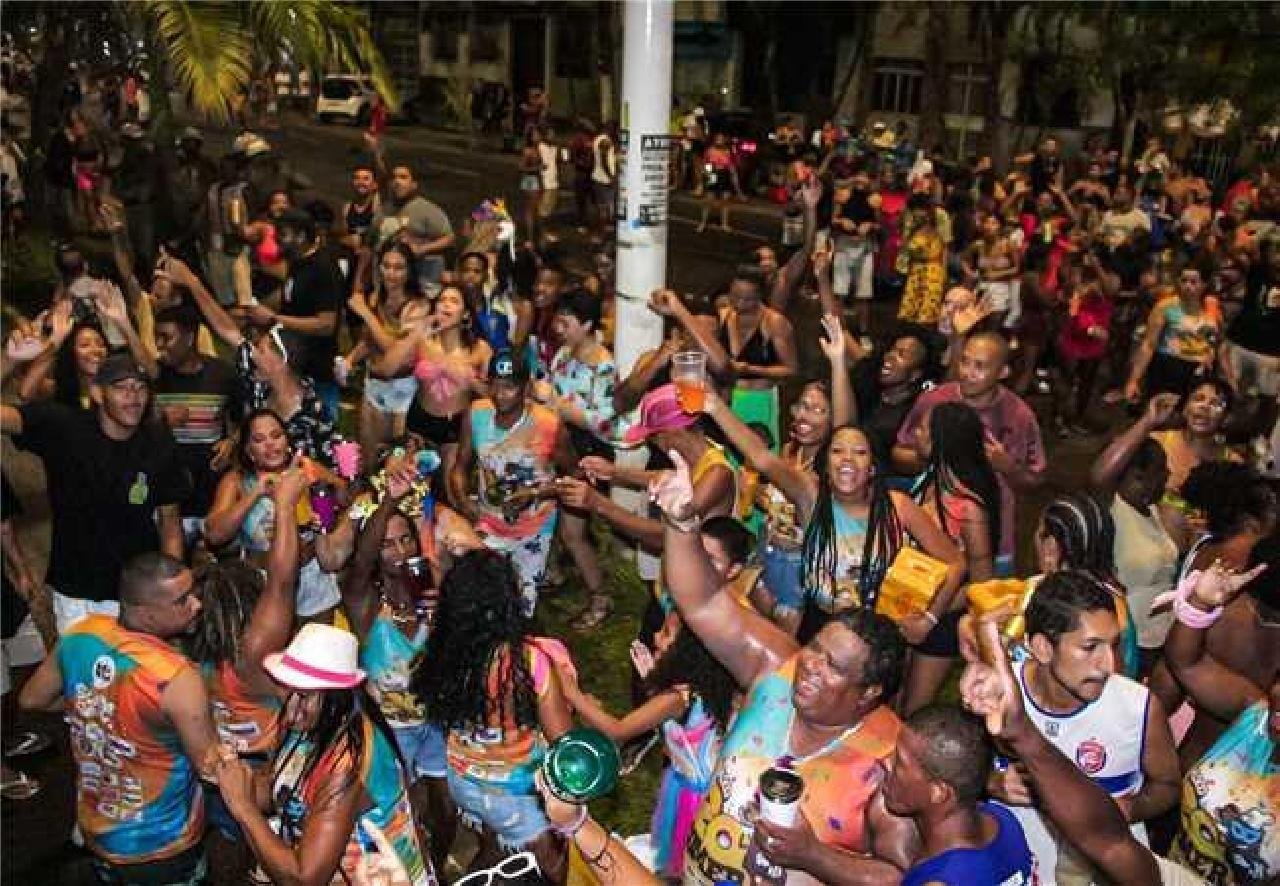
x=119, y=367
x=507, y=366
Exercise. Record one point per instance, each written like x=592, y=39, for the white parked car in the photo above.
x=345, y=96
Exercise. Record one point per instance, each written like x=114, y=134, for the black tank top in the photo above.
x=359, y=219
x=756, y=350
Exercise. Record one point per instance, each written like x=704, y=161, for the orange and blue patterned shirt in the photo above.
x=138, y=796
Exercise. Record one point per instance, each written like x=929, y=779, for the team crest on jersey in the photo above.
x=104, y=671
x=1091, y=756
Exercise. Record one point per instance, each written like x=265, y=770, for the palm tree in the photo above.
x=211, y=50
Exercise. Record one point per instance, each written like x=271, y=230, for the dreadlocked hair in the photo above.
x=1085, y=533
x=958, y=466
x=338, y=740
x=228, y=592
x=479, y=639
x=883, y=537
x=686, y=662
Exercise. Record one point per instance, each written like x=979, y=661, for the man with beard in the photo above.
x=115, y=481
x=417, y=222
x=357, y=216
x=1112, y=727
x=142, y=733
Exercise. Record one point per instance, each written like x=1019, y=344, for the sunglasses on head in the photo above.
x=520, y=865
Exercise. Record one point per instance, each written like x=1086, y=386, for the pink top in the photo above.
x=438, y=380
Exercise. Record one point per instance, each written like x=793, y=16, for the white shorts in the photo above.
x=69, y=610
x=852, y=270
x=392, y=396
x=24, y=648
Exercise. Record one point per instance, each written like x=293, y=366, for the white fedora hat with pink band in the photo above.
x=319, y=657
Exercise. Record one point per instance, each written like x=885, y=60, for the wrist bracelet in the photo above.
x=687, y=525
x=603, y=850
x=1183, y=610
x=570, y=830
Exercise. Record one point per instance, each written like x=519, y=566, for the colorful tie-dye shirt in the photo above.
x=839, y=782
x=138, y=798
x=384, y=800
x=1230, y=806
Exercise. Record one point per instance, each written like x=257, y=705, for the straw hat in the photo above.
x=319, y=656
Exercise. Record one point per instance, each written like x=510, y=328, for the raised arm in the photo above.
x=112, y=308
x=797, y=485
x=834, y=344
x=1211, y=685
x=359, y=595
x=1104, y=475
x=271, y=624
x=792, y=273
x=628, y=393
x=230, y=506
x=35, y=381
x=223, y=325
x=743, y=641
x=668, y=304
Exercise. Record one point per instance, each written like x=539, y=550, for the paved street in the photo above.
x=35, y=848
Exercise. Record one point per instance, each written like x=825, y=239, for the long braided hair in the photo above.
x=228, y=591
x=479, y=636
x=958, y=466
x=1085, y=532
x=338, y=740
x=883, y=537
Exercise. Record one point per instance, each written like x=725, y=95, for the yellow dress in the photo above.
x=926, y=277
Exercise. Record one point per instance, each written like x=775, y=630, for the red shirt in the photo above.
x=1086, y=311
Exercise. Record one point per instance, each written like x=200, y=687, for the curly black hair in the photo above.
x=687, y=662
x=479, y=624
x=1230, y=494
x=66, y=375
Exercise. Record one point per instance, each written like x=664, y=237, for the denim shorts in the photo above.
x=422, y=748
x=781, y=573
x=390, y=395
x=516, y=819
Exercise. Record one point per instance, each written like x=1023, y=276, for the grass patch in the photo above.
x=604, y=665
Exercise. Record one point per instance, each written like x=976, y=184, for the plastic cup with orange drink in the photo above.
x=689, y=375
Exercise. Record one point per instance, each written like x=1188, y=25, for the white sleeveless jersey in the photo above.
x=1105, y=740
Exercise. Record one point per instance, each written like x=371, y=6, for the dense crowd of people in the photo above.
x=317, y=636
